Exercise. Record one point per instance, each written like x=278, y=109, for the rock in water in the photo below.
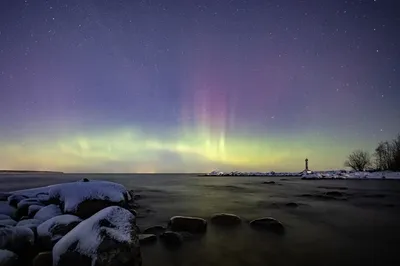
x=48, y=212
x=156, y=230
x=269, y=182
x=292, y=204
x=171, y=238
x=43, y=259
x=53, y=229
x=269, y=224
x=8, y=258
x=16, y=239
x=147, y=238
x=188, y=224
x=108, y=238
x=226, y=219
x=6, y=209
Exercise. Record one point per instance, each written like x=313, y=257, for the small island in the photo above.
x=29, y=172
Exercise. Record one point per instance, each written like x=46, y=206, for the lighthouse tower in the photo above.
x=306, y=164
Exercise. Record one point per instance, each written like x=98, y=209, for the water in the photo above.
x=362, y=230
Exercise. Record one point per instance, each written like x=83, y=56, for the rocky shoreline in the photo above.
x=92, y=223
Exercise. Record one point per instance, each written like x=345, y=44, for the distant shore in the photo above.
x=28, y=172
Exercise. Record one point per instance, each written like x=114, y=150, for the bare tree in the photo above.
x=358, y=160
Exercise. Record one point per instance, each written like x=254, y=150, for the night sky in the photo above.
x=189, y=86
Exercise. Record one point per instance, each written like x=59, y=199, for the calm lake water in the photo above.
x=361, y=229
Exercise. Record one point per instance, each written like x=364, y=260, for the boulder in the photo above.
x=147, y=238
x=226, y=219
x=4, y=196
x=43, y=259
x=268, y=224
x=108, y=238
x=16, y=239
x=48, y=212
x=14, y=199
x=269, y=182
x=292, y=204
x=334, y=194
x=23, y=206
x=6, y=209
x=156, y=230
x=8, y=222
x=188, y=224
x=52, y=230
x=33, y=209
x=8, y=258
x=31, y=224
x=4, y=217
x=171, y=238
x=84, y=199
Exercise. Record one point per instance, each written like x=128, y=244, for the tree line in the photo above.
x=385, y=158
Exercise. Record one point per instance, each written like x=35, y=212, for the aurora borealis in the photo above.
x=193, y=86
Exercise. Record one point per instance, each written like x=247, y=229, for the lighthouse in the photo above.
x=306, y=164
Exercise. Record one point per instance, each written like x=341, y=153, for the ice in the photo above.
x=48, y=212
x=45, y=228
x=6, y=209
x=72, y=194
x=87, y=233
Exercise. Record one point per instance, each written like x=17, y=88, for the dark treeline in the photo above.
x=385, y=158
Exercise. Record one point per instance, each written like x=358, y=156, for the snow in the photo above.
x=6, y=209
x=87, y=233
x=6, y=256
x=48, y=212
x=72, y=194
x=45, y=228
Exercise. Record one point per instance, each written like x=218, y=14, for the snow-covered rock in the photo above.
x=29, y=222
x=6, y=209
x=8, y=258
x=14, y=199
x=86, y=198
x=16, y=239
x=48, y=212
x=53, y=229
x=8, y=222
x=340, y=174
x=109, y=237
x=23, y=206
x=33, y=209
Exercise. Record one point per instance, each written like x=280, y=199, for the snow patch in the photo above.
x=89, y=233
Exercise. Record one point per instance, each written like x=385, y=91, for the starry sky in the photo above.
x=195, y=85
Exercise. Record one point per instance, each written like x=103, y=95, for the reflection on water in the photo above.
x=361, y=229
